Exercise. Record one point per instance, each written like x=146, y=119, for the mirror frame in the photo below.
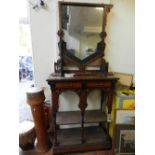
x=68, y=59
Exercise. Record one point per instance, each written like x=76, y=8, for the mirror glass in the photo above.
x=82, y=26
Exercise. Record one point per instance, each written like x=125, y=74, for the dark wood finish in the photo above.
x=68, y=59
x=50, y=152
x=69, y=140
x=35, y=98
x=84, y=81
x=85, y=61
x=34, y=152
x=82, y=84
x=82, y=106
x=54, y=111
x=83, y=138
x=54, y=79
x=68, y=117
x=86, y=4
x=94, y=116
x=94, y=153
x=71, y=136
x=74, y=117
x=61, y=3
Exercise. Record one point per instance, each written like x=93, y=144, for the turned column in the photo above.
x=55, y=97
x=35, y=98
x=82, y=106
x=110, y=99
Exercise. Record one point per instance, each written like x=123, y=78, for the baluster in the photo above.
x=55, y=96
x=110, y=98
x=82, y=106
x=35, y=98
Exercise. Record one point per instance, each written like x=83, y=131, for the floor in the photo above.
x=50, y=153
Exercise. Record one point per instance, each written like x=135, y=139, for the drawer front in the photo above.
x=68, y=85
x=99, y=84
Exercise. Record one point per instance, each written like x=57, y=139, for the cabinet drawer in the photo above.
x=99, y=84
x=68, y=85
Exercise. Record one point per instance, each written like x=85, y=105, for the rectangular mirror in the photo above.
x=82, y=26
x=82, y=33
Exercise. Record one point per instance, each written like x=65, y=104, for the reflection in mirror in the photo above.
x=82, y=27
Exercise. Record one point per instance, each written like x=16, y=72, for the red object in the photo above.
x=46, y=112
x=133, y=105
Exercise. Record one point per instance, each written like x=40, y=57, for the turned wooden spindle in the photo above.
x=82, y=106
x=55, y=107
x=35, y=98
x=110, y=98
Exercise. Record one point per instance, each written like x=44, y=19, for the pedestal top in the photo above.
x=34, y=90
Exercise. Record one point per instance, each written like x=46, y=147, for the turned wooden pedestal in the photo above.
x=35, y=98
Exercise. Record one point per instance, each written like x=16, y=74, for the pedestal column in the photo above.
x=35, y=98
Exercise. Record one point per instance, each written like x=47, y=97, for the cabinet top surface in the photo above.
x=82, y=76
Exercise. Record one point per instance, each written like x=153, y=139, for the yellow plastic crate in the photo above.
x=124, y=99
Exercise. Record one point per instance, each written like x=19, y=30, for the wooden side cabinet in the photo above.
x=82, y=138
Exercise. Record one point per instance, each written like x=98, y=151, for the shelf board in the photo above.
x=94, y=116
x=68, y=117
x=74, y=117
x=69, y=139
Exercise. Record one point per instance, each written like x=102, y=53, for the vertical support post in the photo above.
x=102, y=100
x=82, y=127
x=35, y=98
x=55, y=107
x=110, y=99
x=82, y=106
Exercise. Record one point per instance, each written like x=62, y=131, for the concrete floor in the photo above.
x=24, y=108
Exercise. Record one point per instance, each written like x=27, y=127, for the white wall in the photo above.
x=120, y=43
x=43, y=30
x=120, y=51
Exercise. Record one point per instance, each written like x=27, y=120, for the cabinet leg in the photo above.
x=82, y=127
x=110, y=99
x=55, y=96
x=55, y=131
x=82, y=106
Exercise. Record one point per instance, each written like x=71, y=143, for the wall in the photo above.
x=120, y=52
x=43, y=30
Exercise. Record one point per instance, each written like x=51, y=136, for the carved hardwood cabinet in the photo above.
x=81, y=68
x=81, y=138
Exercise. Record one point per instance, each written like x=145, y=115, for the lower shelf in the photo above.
x=69, y=140
x=74, y=117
